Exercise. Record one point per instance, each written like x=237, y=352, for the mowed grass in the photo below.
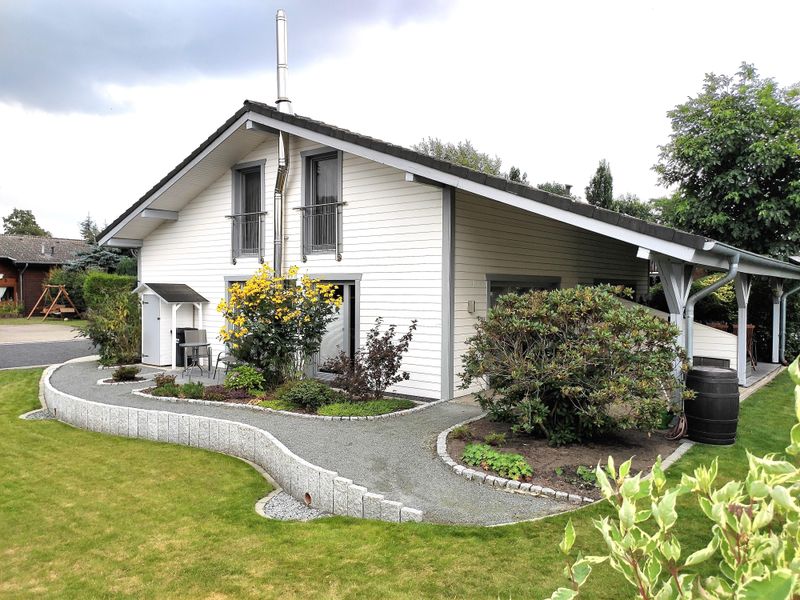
x=84, y=515
x=34, y=320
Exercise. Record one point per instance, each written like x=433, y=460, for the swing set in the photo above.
x=57, y=310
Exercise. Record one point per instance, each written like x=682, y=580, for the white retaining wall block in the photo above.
x=328, y=492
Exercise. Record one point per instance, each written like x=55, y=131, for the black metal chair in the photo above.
x=227, y=359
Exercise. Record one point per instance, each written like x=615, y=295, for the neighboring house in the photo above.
x=25, y=261
x=405, y=236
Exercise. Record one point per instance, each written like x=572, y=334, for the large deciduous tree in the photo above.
x=600, y=190
x=461, y=153
x=22, y=222
x=734, y=154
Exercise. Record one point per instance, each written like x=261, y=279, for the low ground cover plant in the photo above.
x=755, y=529
x=308, y=394
x=572, y=364
x=505, y=464
x=125, y=373
x=244, y=377
x=461, y=432
x=375, y=366
x=365, y=409
x=495, y=439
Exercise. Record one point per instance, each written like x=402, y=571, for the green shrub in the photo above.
x=9, y=307
x=72, y=282
x=461, y=432
x=193, y=389
x=495, y=439
x=171, y=390
x=365, y=409
x=244, y=377
x=113, y=317
x=308, y=394
x=587, y=474
x=572, y=364
x=127, y=373
x=754, y=530
x=505, y=464
x=163, y=379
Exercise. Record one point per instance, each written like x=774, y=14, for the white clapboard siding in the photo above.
x=709, y=341
x=493, y=238
x=392, y=238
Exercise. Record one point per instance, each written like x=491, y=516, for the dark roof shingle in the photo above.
x=175, y=292
x=40, y=250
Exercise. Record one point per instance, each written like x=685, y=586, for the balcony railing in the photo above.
x=322, y=228
x=247, y=235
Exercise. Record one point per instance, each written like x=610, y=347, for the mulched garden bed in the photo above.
x=134, y=380
x=557, y=468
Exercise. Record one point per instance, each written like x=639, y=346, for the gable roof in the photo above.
x=40, y=250
x=447, y=173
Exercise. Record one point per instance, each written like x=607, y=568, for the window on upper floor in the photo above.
x=247, y=218
x=322, y=203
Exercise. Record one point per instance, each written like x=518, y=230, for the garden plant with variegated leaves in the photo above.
x=755, y=533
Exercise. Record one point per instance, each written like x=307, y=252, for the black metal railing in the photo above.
x=322, y=228
x=247, y=235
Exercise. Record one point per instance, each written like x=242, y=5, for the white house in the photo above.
x=405, y=235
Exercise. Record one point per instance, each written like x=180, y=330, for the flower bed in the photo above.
x=568, y=468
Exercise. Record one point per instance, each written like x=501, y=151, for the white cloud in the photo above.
x=551, y=89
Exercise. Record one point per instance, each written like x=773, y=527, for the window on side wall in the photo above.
x=499, y=285
x=247, y=220
x=322, y=203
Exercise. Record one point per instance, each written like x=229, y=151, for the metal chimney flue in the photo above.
x=283, y=103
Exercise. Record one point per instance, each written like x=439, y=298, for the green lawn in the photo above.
x=347, y=409
x=38, y=320
x=84, y=515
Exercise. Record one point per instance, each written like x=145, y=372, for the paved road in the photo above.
x=36, y=332
x=395, y=457
x=43, y=353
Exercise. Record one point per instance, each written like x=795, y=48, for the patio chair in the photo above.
x=192, y=354
x=227, y=359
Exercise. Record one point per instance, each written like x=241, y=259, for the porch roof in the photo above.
x=171, y=292
x=246, y=128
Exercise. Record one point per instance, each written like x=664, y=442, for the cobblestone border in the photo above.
x=399, y=413
x=501, y=483
x=326, y=490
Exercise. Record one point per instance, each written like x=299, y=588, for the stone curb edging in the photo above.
x=501, y=483
x=325, y=490
x=399, y=413
x=104, y=382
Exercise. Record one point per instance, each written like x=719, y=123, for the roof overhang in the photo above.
x=246, y=129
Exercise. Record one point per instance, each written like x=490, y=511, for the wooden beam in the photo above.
x=123, y=243
x=157, y=213
x=253, y=126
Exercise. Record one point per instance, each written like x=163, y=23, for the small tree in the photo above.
x=375, y=366
x=277, y=322
x=571, y=364
x=554, y=187
x=515, y=174
x=22, y=222
x=600, y=190
x=754, y=532
x=89, y=229
x=629, y=204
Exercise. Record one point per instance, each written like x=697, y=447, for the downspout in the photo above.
x=784, y=298
x=689, y=311
x=19, y=292
x=285, y=106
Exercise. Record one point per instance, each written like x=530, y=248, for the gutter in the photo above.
x=784, y=298
x=690, y=303
x=751, y=257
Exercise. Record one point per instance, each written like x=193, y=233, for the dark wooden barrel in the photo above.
x=713, y=414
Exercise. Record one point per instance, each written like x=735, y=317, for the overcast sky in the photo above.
x=100, y=99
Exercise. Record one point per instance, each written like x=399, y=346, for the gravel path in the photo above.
x=395, y=457
x=283, y=507
x=35, y=354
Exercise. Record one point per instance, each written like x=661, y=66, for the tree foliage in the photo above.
x=113, y=317
x=89, y=229
x=734, y=154
x=600, y=190
x=571, y=364
x=754, y=533
x=556, y=188
x=22, y=222
x=461, y=153
x=515, y=174
x=630, y=204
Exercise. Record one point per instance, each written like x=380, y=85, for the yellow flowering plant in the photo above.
x=276, y=322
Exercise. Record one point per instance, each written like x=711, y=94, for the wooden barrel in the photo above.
x=713, y=414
